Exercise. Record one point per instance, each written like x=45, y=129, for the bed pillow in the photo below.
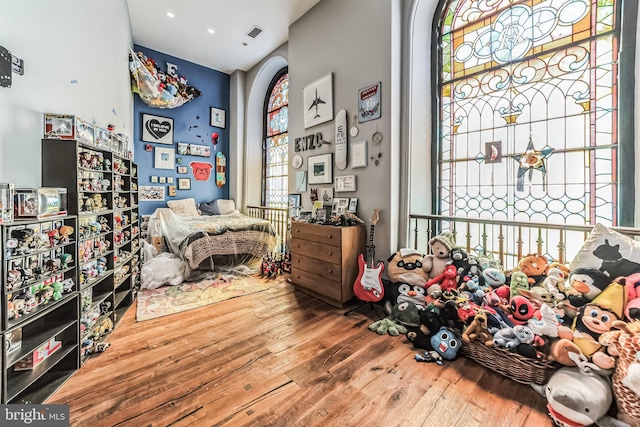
x=209, y=208
x=184, y=207
x=226, y=207
x=609, y=251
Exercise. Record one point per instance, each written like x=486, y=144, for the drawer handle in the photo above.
x=330, y=253
x=298, y=244
x=330, y=236
x=330, y=271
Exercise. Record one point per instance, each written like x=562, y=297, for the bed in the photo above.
x=216, y=237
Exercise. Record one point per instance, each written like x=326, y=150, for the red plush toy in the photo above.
x=447, y=279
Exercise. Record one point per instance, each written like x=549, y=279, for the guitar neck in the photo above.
x=371, y=248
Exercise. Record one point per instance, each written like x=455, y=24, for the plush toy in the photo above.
x=478, y=329
x=471, y=270
x=577, y=397
x=534, y=266
x=492, y=277
x=512, y=337
x=518, y=281
x=396, y=293
x=459, y=258
x=488, y=260
x=625, y=345
x=405, y=266
x=387, y=325
x=429, y=356
x=632, y=309
x=554, y=283
x=547, y=325
x=560, y=349
x=446, y=344
x=447, y=280
x=521, y=310
x=406, y=314
x=440, y=245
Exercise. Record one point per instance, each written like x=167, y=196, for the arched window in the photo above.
x=275, y=150
x=535, y=111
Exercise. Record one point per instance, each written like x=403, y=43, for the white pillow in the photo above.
x=184, y=207
x=226, y=207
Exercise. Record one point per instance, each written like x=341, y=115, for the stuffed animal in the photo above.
x=405, y=266
x=478, y=329
x=560, y=349
x=547, y=325
x=446, y=344
x=625, y=345
x=518, y=281
x=459, y=258
x=554, y=283
x=396, y=293
x=406, y=314
x=387, y=325
x=471, y=270
x=577, y=397
x=534, y=266
x=440, y=245
x=521, y=310
x=447, y=280
x=632, y=309
x=512, y=337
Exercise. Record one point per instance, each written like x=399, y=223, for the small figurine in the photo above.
x=45, y=294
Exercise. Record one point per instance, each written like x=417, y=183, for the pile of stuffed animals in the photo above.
x=587, y=321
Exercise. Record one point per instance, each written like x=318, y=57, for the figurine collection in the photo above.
x=275, y=263
x=578, y=323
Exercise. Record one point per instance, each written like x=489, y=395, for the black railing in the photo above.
x=508, y=241
x=279, y=217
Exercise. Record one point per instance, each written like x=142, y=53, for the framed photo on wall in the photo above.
x=369, y=103
x=157, y=129
x=218, y=117
x=318, y=101
x=151, y=193
x=184, y=183
x=165, y=158
x=319, y=169
x=345, y=183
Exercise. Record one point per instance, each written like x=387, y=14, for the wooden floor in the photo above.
x=282, y=358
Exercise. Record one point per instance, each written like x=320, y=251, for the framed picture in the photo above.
x=345, y=183
x=301, y=181
x=318, y=101
x=319, y=169
x=165, y=158
x=305, y=215
x=169, y=180
x=359, y=154
x=326, y=195
x=154, y=179
x=183, y=169
x=193, y=150
x=157, y=129
x=218, y=117
x=184, y=183
x=151, y=193
x=294, y=200
x=353, y=204
x=340, y=205
x=322, y=214
x=369, y=103
x=172, y=190
x=162, y=179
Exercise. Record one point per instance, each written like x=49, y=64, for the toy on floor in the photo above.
x=387, y=325
x=429, y=356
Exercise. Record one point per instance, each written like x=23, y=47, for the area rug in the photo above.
x=153, y=303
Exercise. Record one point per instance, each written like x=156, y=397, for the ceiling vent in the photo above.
x=255, y=31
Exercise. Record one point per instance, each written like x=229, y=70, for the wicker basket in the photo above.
x=510, y=365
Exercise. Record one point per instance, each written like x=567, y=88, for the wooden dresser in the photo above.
x=324, y=260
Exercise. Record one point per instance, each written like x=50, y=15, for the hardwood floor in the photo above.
x=282, y=358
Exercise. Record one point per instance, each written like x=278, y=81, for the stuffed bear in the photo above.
x=534, y=266
x=405, y=266
x=441, y=246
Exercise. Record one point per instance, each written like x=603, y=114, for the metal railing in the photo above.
x=508, y=241
x=279, y=217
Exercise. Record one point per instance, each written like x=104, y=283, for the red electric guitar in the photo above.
x=368, y=286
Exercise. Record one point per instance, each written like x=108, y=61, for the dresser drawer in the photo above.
x=316, y=250
x=326, y=234
x=326, y=288
x=323, y=269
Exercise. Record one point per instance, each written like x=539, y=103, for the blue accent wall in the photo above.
x=191, y=123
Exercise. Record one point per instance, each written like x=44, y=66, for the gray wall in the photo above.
x=353, y=40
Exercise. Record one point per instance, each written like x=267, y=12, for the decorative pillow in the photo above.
x=609, y=251
x=209, y=208
x=184, y=207
x=226, y=207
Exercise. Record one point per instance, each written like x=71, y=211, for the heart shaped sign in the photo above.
x=158, y=129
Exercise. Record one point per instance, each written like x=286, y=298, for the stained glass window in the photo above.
x=276, y=149
x=528, y=126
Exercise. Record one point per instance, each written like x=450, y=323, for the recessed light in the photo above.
x=211, y=31
x=170, y=14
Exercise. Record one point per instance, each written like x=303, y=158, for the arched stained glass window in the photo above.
x=275, y=187
x=529, y=110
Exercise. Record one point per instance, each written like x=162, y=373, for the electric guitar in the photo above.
x=368, y=285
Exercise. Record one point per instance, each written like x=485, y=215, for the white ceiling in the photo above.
x=186, y=36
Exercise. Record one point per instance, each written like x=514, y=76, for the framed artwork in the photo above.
x=318, y=101
x=151, y=193
x=301, y=181
x=359, y=154
x=169, y=180
x=184, y=183
x=305, y=215
x=369, y=103
x=157, y=129
x=162, y=179
x=345, y=183
x=326, y=195
x=340, y=205
x=294, y=200
x=353, y=204
x=322, y=214
x=165, y=158
x=183, y=169
x=319, y=169
x=218, y=117
x=172, y=190
x=193, y=150
x=153, y=179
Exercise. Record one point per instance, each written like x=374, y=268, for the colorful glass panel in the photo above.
x=276, y=147
x=528, y=110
